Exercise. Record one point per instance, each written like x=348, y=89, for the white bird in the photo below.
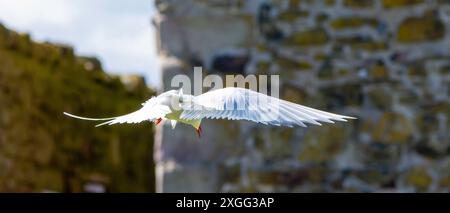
x=228, y=103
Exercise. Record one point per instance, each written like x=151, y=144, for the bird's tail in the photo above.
x=89, y=119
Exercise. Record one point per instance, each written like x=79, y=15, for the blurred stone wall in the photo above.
x=385, y=62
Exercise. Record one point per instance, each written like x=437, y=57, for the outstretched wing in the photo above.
x=243, y=104
x=150, y=111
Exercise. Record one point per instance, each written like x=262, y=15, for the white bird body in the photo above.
x=229, y=103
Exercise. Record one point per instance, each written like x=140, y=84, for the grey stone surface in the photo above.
x=386, y=63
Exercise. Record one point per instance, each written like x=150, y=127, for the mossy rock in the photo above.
x=438, y=107
x=419, y=178
x=444, y=2
x=264, y=177
x=320, y=56
x=294, y=3
x=326, y=70
x=392, y=128
x=379, y=72
x=291, y=64
x=330, y=2
x=294, y=94
x=363, y=43
x=400, y=3
x=277, y=146
x=313, y=37
x=359, y=3
x=420, y=29
x=444, y=182
x=230, y=174
x=427, y=122
x=352, y=22
x=90, y=63
x=322, y=144
x=263, y=67
x=417, y=69
x=292, y=14
x=321, y=18
x=445, y=70
x=381, y=97
x=343, y=95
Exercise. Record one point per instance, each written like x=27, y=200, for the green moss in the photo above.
x=230, y=174
x=419, y=178
x=293, y=94
x=292, y=15
x=326, y=71
x=322, y=17
x=426, y=28
x=263, y=67
x=294, y=3
x=379, y=72
x=277, y=147
x=290, y=64
x=400, y=3
x=392, y=128
x=427, y=122
x=311, y=37
x=343, y=72
x=445, y=70
x=363, y=43
x=417, y=69
x=359, y=3
x=346, y=94
x=265, y=177
x=380, y=97
x=330, y=2
x=321, y=145
x=353, y=22
x=320, y=56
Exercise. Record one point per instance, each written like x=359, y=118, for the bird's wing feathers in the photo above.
x=150, y=111
x=243, y=104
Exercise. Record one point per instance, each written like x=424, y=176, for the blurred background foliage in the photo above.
x=42, y=150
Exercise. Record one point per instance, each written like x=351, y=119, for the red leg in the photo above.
x=199, y=131
x=158, y=121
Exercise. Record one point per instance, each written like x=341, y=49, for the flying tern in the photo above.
x=230, y=103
